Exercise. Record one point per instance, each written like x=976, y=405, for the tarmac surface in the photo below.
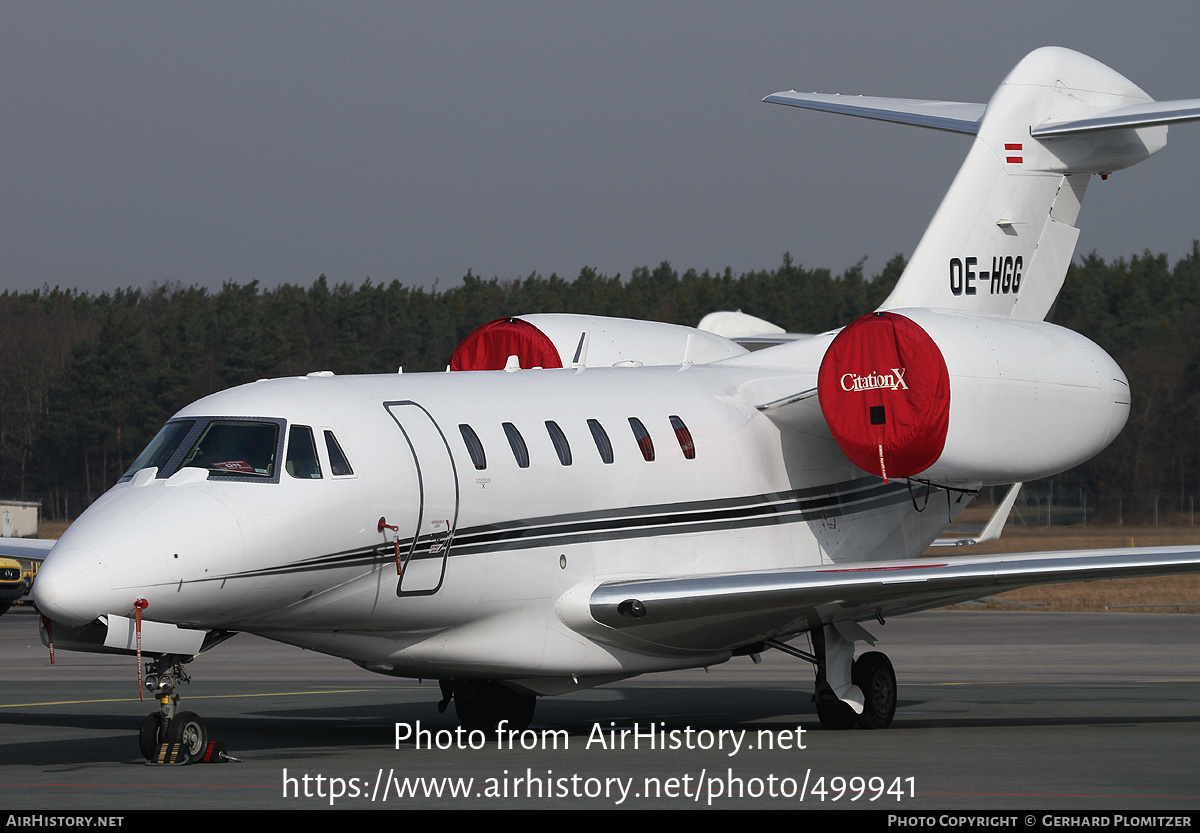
x=1020, y=711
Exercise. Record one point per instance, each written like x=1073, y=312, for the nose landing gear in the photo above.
x=183, y=732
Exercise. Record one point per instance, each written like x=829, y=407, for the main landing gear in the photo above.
x=843, y=682
x=484, y=704
x=169, y=725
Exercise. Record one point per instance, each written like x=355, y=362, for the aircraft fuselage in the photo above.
x=302, y=559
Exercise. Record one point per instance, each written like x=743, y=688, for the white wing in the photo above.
x=727, y=612
x=31, y=549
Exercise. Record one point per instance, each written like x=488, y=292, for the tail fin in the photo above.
x=1004, y=235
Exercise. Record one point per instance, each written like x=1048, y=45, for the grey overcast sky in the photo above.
x=201, y=142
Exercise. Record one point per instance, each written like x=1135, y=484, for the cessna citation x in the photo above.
x=604, y=498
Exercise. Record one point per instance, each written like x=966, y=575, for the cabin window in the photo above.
x=235, y=449
x=338, y=464
x=162, y=448
x=474, y=446
x=517, y=442
x=645, y=444
x=561, y=447
x=602, y=443
x=684, y=436
x=302, y=462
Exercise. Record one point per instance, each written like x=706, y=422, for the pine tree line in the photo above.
x=91, y=378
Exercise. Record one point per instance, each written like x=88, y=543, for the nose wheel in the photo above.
x=151, y=735
x=188, y=730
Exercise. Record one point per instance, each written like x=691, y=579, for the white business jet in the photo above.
x=619, y=497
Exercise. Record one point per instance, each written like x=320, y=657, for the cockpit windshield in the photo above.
x=245, y=448
x=162, y=448
x=235, y=449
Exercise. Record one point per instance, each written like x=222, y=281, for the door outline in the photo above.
x=437, y=512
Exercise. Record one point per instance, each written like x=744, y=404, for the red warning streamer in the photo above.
x=49, y=635
x=383, y=524
x=138, y=607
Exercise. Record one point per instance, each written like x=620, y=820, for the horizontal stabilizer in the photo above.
x=1056, y=120
x=954, y=116
x=1149, y=114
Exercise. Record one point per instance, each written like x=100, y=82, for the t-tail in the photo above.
x=1004, y=235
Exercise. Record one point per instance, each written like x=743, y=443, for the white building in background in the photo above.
x=19, y=518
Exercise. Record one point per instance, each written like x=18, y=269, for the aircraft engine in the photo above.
x=562, y=339
x=966, y=398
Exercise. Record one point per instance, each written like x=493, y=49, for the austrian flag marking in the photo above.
x=1009, y=148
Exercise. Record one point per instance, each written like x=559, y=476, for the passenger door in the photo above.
x=425, y=554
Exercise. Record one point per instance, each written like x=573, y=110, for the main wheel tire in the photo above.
x=873, y=673
x=150, y=735
x=483, y=704
x=516, y=707
x=188, y=729
x=835, y=715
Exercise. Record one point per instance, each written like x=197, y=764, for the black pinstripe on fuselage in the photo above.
x=801, y=506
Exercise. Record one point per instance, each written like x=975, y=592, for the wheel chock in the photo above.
x=170, y=754
x=215, y=753
x=175, y=754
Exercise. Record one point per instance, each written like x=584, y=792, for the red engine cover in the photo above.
x=488, y=347
x=885, y=394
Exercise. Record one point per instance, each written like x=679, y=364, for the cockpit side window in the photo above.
x=229, y=448
x=302, y=462
x=162, y=448
x=338, y=464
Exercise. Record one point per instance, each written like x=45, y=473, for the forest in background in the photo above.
x=89, y=379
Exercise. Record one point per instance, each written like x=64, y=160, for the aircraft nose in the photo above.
x=72, y=587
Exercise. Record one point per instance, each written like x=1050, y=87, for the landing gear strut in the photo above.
x=834, y=714
x=169, y=725
x=841, y=680
x=483, y=704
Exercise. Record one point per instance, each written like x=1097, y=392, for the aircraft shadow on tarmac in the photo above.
x=295, y=732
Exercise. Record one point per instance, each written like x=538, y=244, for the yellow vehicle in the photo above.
x=12, y=583
x=19, y=562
